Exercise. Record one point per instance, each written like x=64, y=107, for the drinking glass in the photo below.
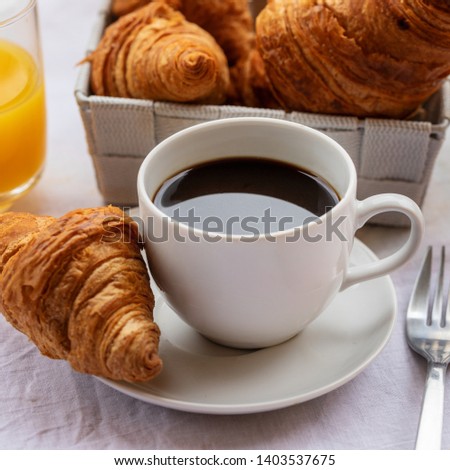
x=22, y=100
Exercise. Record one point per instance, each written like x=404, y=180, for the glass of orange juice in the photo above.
x=22, y=100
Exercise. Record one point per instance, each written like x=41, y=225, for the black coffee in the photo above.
x=245, y=196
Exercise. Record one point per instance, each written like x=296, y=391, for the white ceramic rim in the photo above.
x=20, y=14
x=351, y=187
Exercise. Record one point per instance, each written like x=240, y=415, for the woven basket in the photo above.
x=389, y=155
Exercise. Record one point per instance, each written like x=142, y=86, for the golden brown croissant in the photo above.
x=123, y=7
x=229, y=21
x=154, y=53
x=78, y=287
x=250, y=85
x=358, y=57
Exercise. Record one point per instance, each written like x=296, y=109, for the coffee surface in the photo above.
x=245, y=196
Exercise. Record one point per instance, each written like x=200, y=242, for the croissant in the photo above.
x=357, y=57
x=229, y=21
x=123, y=7
x=78, y=287
x=154, y=53
x=250, y=85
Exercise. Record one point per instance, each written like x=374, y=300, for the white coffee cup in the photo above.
x=260, y=292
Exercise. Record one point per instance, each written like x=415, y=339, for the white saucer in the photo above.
x=203, y=377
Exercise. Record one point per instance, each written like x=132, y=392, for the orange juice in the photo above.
x=22, y=119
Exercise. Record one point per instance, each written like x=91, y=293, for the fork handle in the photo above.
x=429, y=434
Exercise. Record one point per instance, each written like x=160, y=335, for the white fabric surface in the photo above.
x=46, y=405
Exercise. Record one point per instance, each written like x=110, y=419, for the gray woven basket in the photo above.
x=389, y=155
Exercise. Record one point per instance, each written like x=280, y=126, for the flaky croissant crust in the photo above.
x=228, y=21
x=358, y=57
x=78, y=287
x=154, y=53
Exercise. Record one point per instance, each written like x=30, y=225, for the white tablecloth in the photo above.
x=44, y=404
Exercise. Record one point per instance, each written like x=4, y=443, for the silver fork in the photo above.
x=428, y=334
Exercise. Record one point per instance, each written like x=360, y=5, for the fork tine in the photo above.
x=418, y=304
x=438, y=303
x=446, y=316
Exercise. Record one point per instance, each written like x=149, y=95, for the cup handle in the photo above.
x=375, y=205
